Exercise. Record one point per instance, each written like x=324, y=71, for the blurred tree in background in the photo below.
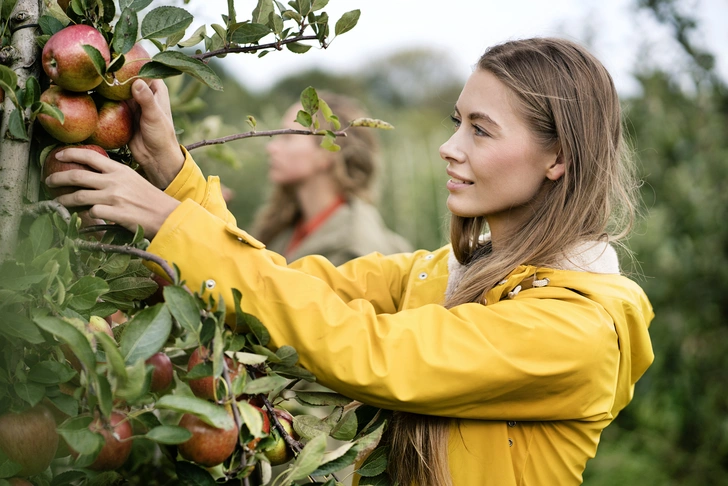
x=675, y=432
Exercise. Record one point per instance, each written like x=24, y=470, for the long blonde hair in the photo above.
x=353, y=172
x=568, y=100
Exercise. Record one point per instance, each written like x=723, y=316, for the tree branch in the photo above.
x=41, y=207
x=267, y=133
x=128, y=250
x=273, y=45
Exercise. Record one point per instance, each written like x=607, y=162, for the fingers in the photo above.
x=161, y=94
x=88, y=157
x=153, y=99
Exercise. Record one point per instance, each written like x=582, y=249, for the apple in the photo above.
x=117, y=445
x=67, y=63
x=117, y=85
x=158, y=295
x=86, y=221
x=266, y=427
x=53, y=165
x=19, y=482
x=205, y=387
x=29, y=438
x=162, y=375
x=79, y=112
x=208, y=446
x=115, y=125
x=279, y=453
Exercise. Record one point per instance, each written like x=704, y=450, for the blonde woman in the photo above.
x=504, y=354
x=322, y=201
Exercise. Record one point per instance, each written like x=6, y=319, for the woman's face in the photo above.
x=295, y=158
x=496, y=168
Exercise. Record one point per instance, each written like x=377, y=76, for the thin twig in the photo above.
x=273, y=45
x=236, y=416
x=38, y=208
x=267, y=133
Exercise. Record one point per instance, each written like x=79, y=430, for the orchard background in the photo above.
x=674, y=432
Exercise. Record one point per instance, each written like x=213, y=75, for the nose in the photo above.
x=449, y=150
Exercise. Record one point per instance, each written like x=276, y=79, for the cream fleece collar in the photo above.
x=591, y=256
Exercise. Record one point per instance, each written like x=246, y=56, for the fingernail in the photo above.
x=60, y=155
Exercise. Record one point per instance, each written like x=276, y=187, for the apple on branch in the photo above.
x=117, y=443
x=53, y=165
x=206, y=387
x=117, y=84
x=162, y=374
x=115, y=125
x=208, y=446
x=68, y=64
x=29, y=439
x=279, y=453
x=80, y=116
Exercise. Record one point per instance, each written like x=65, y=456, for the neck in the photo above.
x=316, y=195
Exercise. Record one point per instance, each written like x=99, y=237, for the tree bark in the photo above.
x=18, y=181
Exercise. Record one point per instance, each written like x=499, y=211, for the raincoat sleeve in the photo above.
x=550, y=354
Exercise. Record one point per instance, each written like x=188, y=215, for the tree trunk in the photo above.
x=19, y=182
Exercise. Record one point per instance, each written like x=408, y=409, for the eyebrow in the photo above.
x=478, y=115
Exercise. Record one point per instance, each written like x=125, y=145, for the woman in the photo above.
x=504, y=354
x=321, y=204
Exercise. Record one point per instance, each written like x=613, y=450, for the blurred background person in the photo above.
x=322, y=202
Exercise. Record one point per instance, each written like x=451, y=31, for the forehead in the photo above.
x=484, y=93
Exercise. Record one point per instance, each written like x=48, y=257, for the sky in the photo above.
x=615, y=31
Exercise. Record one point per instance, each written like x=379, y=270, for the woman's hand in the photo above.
x=114, y=192
x=154, y=144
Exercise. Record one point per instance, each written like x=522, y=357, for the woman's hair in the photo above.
x=353, y=172
x=568, y=100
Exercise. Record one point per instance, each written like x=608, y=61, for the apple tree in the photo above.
x=108, y=372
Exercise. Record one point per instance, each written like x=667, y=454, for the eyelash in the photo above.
x=478, y=131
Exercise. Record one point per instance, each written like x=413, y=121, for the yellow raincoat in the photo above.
x=532, y=378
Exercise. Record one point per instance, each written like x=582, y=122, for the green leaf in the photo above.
x=169, y=434
x=251, y=417
x=16, y=125
x=108, y=10
x=294, y=372
x=319, y=399
x=125, y=31
x=191, y=66
x=310, y=426
x=67, y=333
x=309, y=459
x=189, y=474
x=86, y=291
x=66, y=404
x=262, y=11
x=145, y=333
x=245, y=321
x=116, y=264
x=380, y=480
x=7, y=9
x=31, y=92
x=113, y=355
x=136, y=383
x=96, y=57
x=68, y=477
x=50, y=372
x=303, y=118
x=76, y=433
x=102, y=387
x=297, y=47
x=318, y=5
x=264, y=384
x=135, y=5
x=18, y=326
x=8, y=468
x=302, y=6
x=329, y=115
x=371, y=123
x=8, y=78
x=41, y=233
x=183, y=307
x=47, y=109
x=250, y=33
x=165, y=21
x=376, y=463
x=208, y=412
x=250, y=358
x=49, y=24
x=197, y=37
x=310, y=100
x=32, y=393
x=288, y=355
x=127, y=288
x=347, y=22
x=346, y=428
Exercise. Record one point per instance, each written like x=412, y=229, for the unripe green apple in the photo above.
x=115, y=126
x=208, y=446
x=53, y=165
x=279, y=452
x=117, y=84
x=79, y=112
x=29, y=438
x=67, y=63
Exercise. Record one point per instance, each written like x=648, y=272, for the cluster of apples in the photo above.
x=94, y=108
x=210, y=446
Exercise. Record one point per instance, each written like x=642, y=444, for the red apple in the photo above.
x=279, y=452
x=117, y=85
x=86, y=221
x=67, y=63
x=115, y=126
x=79, y=112
x=205, y=387
x=29, y=438
x=162, y=375
x=158, y=295
x=53, y=165
x=208, y=446
x=117, y=446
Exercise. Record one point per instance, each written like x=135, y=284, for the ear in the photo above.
x=556, y=167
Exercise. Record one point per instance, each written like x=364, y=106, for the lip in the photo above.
x=456, y=181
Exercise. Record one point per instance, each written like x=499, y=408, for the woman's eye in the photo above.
x=455, y=122
x=479, y=131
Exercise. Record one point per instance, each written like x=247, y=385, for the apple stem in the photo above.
x=267, y=133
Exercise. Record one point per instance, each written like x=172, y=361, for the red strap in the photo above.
x=304, y=229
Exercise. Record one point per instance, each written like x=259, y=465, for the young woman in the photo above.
x=322, y=200
x=504, y=354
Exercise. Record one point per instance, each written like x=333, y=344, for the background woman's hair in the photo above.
x=354, y=171
x=567, y=99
